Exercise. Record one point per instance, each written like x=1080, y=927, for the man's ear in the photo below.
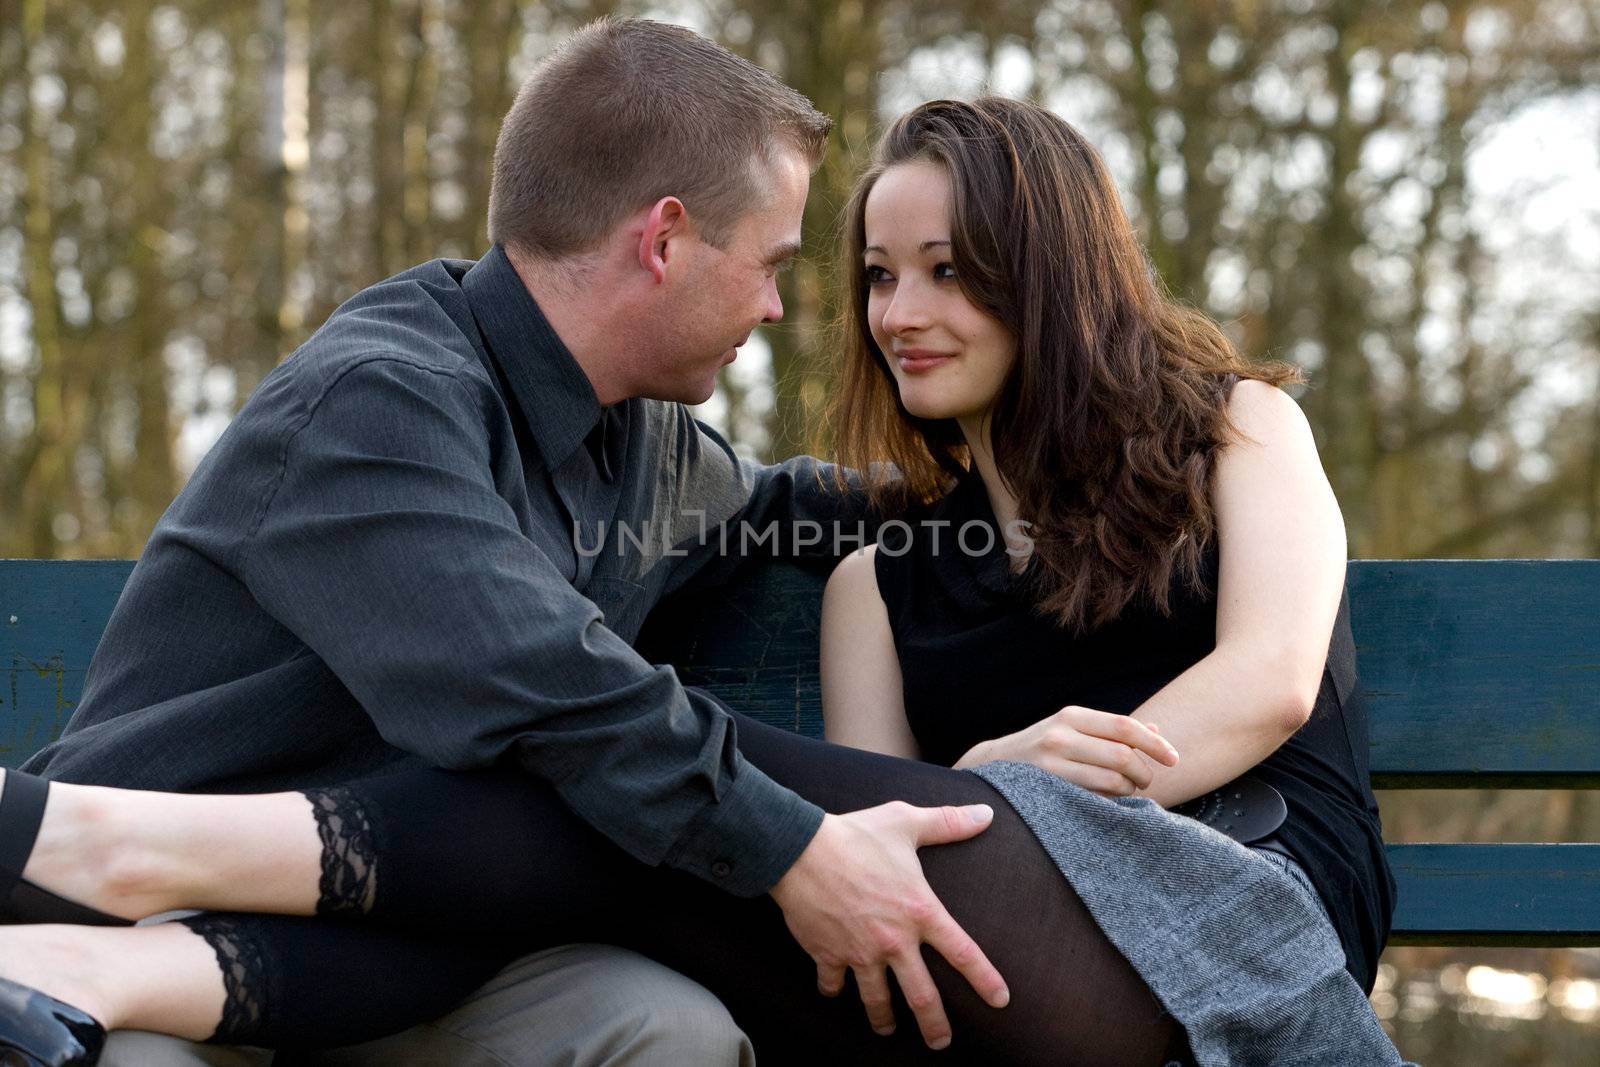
x=667, y=223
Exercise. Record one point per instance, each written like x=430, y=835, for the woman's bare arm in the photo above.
x=1280, y=579
x=1281, y=576
x=862, y=702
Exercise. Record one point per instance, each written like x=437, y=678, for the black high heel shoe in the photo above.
x=40, y=1031
x=21, y=812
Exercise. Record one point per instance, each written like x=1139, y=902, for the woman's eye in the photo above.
x=944, y=272
x=876, y=275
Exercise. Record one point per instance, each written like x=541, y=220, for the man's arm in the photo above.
x=386, y=548
x=792, y=510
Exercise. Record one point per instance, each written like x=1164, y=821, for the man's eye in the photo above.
x=945, y=272
x=781, y=267
x=876, y=275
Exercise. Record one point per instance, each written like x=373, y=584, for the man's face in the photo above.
x=721, y=294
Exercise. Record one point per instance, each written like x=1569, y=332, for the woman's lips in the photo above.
x=915, y=361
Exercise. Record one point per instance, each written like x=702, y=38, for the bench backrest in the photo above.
x=1477, y=674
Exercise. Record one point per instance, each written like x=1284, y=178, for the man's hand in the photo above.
x=1100, y=751
x=857, y=899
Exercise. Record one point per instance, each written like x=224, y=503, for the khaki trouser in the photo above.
x=573, y=1006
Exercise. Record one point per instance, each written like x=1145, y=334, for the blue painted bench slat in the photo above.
x=1497, y=894
x=52, y=614
x=1478, y=674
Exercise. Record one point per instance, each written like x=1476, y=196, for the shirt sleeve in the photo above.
x=794, y=510
x=387, y=549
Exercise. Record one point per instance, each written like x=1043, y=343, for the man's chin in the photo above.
x=692, y=392
x=698, y=393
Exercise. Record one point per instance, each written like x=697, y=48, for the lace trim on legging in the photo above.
x=243, y=977
x=349, y=855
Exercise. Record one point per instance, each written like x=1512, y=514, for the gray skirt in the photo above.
x=1233, y=941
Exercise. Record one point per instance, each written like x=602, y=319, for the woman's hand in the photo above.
x=1100, y=751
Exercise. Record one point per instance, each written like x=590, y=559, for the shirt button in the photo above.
x=721, y=869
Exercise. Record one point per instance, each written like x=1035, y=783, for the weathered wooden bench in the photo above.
x=1478, y=675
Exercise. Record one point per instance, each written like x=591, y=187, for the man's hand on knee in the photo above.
x=857, y=899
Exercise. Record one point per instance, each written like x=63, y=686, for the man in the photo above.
x=420, y=542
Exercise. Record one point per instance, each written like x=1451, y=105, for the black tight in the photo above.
x=475, y=869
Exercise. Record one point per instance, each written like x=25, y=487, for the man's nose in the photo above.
x=774, y=302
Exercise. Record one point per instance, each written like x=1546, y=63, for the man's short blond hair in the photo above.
x=627, y=111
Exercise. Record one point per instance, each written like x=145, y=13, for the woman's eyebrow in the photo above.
x=923, y=247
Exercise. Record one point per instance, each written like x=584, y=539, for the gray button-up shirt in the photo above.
x=402, y=552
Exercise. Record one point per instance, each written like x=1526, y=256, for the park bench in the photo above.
x=1478, y=675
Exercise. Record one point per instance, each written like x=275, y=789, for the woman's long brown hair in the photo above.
x=1108, y=426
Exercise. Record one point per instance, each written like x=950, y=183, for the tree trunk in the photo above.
x=416, y=113
x=489, y=43
x=296, y=160
x=1345, y=386
x=388, y=141
x=834, y=58
x=153, y=479
x=48, y=485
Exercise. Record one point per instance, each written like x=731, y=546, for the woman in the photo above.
x=1163, y=544
x=1155, y=537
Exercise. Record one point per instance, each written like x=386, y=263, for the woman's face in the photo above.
x=949, y=357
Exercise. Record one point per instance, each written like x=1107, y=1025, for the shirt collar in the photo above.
x=555, y=396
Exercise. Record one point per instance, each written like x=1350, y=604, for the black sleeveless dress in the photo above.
x=978, y=663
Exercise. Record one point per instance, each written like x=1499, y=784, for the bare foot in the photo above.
x=88, y=854
x=59, y=962
x=162, y=978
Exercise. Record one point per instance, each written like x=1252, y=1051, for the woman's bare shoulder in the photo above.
x=1264, y=414
x=856, y=572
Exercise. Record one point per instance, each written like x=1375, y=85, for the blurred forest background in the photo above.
x=1402, y=198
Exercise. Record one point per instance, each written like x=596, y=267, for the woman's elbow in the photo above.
x=1293, y=708
x=1285, y=687
x=1294, y=696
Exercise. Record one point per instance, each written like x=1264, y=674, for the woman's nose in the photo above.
x=906, y=311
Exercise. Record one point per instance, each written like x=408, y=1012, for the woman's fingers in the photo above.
x=1122, y=728
x=1095, y=779
x=1111, y=756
